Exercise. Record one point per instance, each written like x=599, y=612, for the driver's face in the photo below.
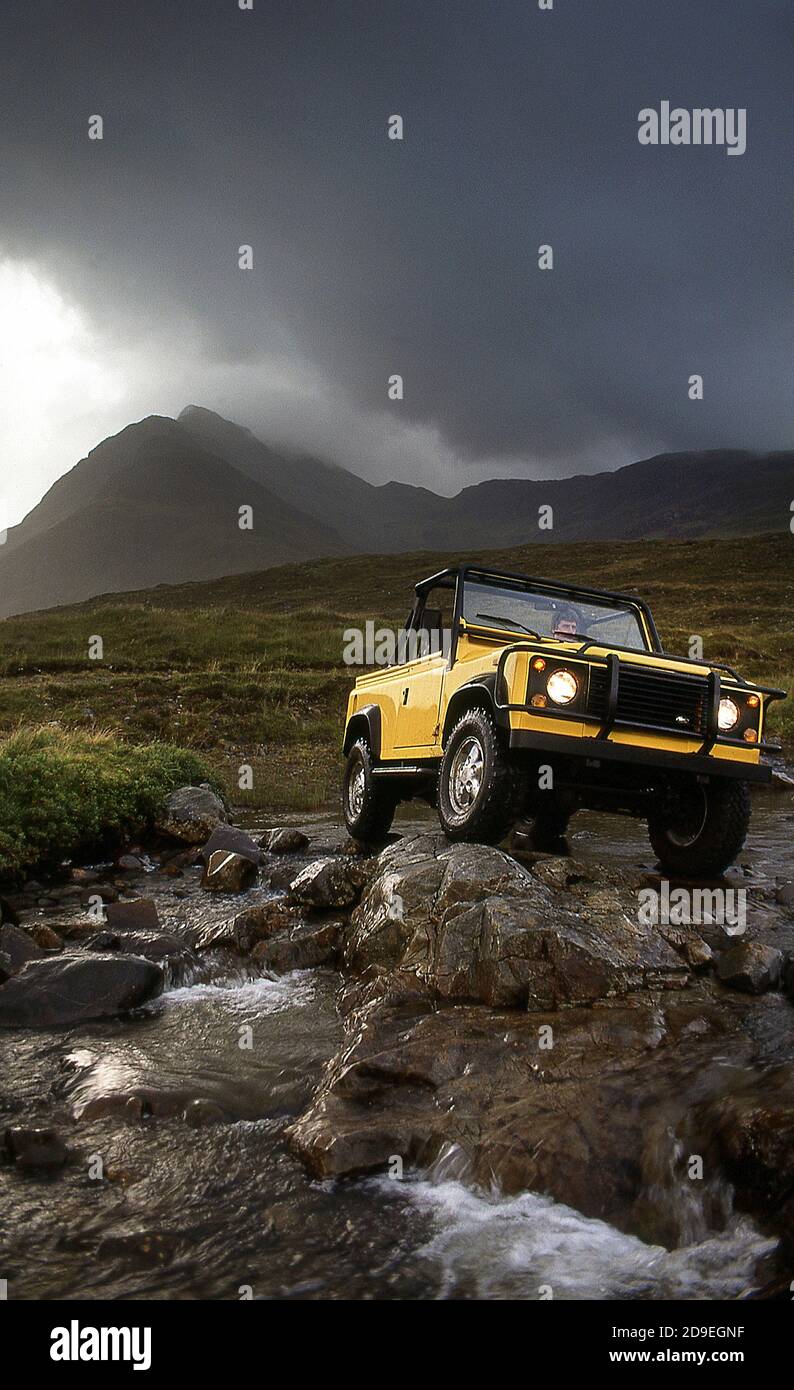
x=565, y=623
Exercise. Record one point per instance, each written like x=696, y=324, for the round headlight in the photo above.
x=728, y=715
x=562, y=687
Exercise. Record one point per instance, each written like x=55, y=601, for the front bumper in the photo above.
x=592, y=752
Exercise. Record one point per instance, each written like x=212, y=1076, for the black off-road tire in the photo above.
x=717, y=841
x=495, y=807
x=369, y=821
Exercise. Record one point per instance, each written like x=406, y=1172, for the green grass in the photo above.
x=66, y=793
x=249, y=669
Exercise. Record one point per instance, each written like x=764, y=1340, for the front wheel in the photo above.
x=699, y=831
x=367, y=805
x=480, y=790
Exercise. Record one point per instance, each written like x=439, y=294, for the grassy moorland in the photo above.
x=249, y=669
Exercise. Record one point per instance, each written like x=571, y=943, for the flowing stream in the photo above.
x=184, y=1189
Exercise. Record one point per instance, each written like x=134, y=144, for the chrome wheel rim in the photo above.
x=466, y=774
x=356, y=788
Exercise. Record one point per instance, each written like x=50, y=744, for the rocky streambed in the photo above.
x=439, y=1071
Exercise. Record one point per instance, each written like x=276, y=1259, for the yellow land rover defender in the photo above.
x=525, y=698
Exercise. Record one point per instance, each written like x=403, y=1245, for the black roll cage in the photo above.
x=455, y=576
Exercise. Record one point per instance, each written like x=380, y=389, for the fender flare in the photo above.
x=477, y=693
x=365, y=723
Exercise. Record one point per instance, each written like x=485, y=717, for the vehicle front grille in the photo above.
x=660, y=699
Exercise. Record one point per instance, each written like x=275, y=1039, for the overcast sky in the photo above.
x=120, y=293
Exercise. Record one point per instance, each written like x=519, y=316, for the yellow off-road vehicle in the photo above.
x=525, y=698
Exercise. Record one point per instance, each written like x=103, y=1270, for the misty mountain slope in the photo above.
x=158, y=503
x=671, y=495
x=389, y=516
x=709, y=493
x=323, y=490
x=148, y=507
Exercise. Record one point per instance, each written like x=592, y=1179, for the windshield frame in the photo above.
x=553, y=589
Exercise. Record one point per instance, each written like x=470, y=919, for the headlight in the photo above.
x=728, y=715
x=562, y=687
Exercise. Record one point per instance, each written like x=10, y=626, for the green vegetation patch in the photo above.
x=64, y=793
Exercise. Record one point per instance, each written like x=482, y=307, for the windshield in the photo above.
x=515, y=607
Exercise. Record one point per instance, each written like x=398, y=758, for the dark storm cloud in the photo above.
x=420, y=257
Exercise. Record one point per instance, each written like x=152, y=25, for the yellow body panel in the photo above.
x=413, y=698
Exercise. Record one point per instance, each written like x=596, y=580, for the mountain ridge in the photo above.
x=159, y=501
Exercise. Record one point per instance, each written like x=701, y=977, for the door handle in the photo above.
x=405, y=695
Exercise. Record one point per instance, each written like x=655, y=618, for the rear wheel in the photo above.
x=367, y=804
x=480, y=790
x=699, y=830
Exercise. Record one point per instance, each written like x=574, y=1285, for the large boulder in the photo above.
x=60, y=991
x=475, y=925
x=190, y=814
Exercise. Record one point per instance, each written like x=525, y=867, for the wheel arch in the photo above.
x=365, y=723
x=476, y=694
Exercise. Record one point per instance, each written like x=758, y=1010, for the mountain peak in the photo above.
x=201, y=412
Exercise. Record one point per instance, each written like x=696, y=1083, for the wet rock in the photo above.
x=172, y=870
x=750, y=966
x=474, y=925
x=202, y=1112
x=18, y=948
x=284, y=839
x=139, y=914
x=80, y=929
x=785, y=894
x=36, y=1148
x=358, y=847
x=304, y=948
x=149, y=945
x=696, y=952
x=190, y=814
x=329, y=883
x=241, y=933
x=6, y=968
x=106, y=892
x=56, y=992
x=750, y=1134
x=85, y=877
x=412, y=1080
x=781, y=781
x=130, y=864
x=228, y=837
x=226, y=872
x=44, y=936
